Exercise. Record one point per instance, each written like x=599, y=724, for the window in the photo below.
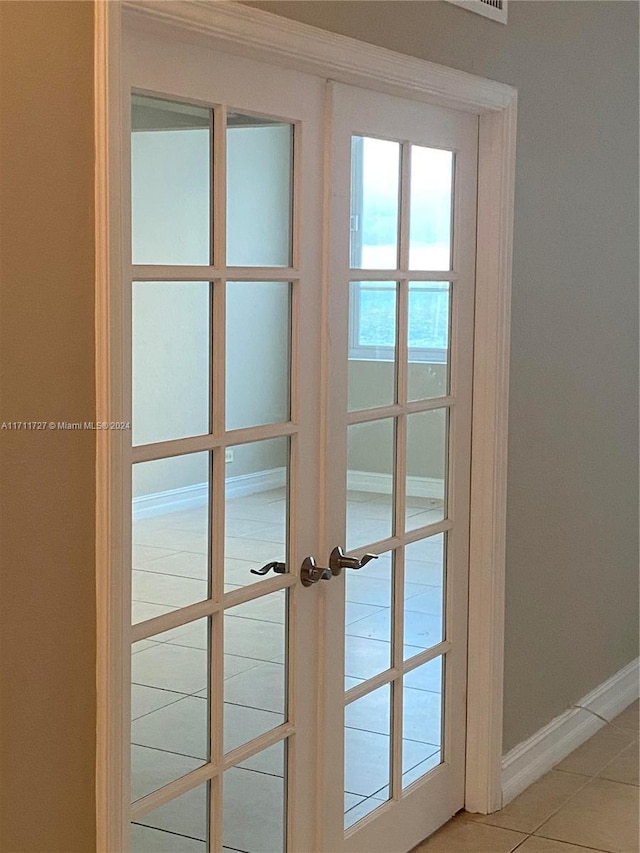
x=372, y=332
x=375, y=223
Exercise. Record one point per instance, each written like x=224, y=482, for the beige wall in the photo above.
x=47, y=585
x=572, y=558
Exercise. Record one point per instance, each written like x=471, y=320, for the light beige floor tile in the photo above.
x=142, y=610
x=545, y=845
x=144, y=700
x=145, y=840
x=167, y=590
x=245, y=527
x=362, y=809
x=430, y=601
x=268, y=608
x=153, y=768
x=185, y=564
x=179, y=728
x=185, y=816
x=143, y=553
x=624, y=768
x=244, y=724
x=602, y=815
x=253, y=638
x=260, y=687
x=169, y=667
x=174, y=540
x=254, y=814
x=536, y=804
x=590, y=758
x=422, y=519
x=466, y=836
x=254, y=550
x=629, y=719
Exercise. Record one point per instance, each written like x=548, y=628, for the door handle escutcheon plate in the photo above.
x=311, y=572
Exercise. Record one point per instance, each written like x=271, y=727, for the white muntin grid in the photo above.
x=399, y=412
x=215, y=442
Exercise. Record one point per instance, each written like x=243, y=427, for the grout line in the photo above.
x=168, y=831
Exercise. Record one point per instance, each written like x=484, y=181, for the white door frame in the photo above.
x=249, y=32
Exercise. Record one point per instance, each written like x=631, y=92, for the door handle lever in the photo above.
x=338, y=561
x=311, y=572
x=278, y=568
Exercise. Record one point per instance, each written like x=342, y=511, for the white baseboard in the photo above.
x=250, y=484
x=534, y=757
x=171, y=500
x=187, y=497
x=382, y=484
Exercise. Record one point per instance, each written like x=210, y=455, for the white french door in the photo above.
x=401, y=301
x=300, y=381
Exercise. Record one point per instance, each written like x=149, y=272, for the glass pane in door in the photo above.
x=426, y=467
x=259, y=191
x=254, y=803
x=170, y=534
x=256, y=511
x=370, y=484
x=255, y=645
x=428, y=340
x=171, y=360
x=422, y=721
x=170, y=182
x=170, y=707
x=367, y=759
x=368, y=620
x=258, y=350
x=372, y=344
x=424, y=600
x=375, y=203
x=431, y=207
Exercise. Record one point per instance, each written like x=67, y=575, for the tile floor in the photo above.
x=588, y=802
x=170, y=670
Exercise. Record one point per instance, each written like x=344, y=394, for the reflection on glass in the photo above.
x=254, y=804
x=367, y=754
x=430, y=209
x=170, y=708
x=256, y=510
x=426, y=468
x=375, y=194
x=179, y=826
x=422, y=721
x=372, y=344
x=369, y=601
x=170, y=534
x=370, y=464
x=424, y=594
x=428, y=374
x=171, y=360
x=255, y=637
x=170, y=182
x=257, y=359
x=259, y=191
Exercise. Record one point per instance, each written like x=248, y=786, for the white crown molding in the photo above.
x=262, y=35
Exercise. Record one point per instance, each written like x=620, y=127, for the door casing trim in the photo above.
x=245, y=31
